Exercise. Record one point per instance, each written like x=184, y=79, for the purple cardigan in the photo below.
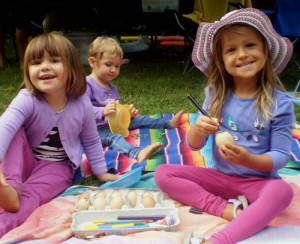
x=76, y=124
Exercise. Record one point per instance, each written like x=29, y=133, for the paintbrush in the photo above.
x=201, y=109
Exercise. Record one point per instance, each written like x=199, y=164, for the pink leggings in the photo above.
x=37, y=182
x=209, y=190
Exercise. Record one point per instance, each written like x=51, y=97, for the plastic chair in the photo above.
x=189, y=37
x=286, y=23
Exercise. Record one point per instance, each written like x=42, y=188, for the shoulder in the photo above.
x=284, y=105
x=23, y=98
x=284, y=98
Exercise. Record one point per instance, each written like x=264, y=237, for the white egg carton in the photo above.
x=126, y=205
x=82, y=221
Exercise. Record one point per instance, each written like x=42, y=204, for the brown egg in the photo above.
x=99, y=203
x=83, y=204
x=101, y=194
x=116, y=202
x=132, y=196
x=148, y=202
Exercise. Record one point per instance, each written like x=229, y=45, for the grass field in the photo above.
x=153, y=81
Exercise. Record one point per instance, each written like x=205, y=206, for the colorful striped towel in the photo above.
x=174, y=150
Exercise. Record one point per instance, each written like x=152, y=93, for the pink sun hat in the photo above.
x=280, y=48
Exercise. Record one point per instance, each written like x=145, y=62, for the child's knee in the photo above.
x=284, y=192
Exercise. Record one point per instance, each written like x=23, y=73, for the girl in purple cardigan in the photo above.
x=42, y=129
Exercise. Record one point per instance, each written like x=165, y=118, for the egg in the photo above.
x=148, y=202
x=83, y=204
x=99, y=203
x=132, y=196
x=116, y=202
x=100, y=194
x=116, y=194
x=147, y=194
x=223, y=137
x=84, y=195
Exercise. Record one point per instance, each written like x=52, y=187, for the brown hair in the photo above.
x=220, y=82
x=57, y=46
x=105, y=44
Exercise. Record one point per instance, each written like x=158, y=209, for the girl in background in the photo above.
x=241, y=54
x=42, y=129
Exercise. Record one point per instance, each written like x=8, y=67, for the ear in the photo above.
x=92, y=61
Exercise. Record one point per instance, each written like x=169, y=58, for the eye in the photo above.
x=55, y=59
x=35, y=62
x=250, y=44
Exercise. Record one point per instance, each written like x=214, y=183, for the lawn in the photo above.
x=153, y=81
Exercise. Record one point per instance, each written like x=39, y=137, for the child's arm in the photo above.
x=107, y=177
x=241, y=156
x=202, y=127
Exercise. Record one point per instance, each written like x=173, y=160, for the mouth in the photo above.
x=46, y=77
x=245, y=64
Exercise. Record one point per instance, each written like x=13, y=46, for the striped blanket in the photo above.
x=174, y=150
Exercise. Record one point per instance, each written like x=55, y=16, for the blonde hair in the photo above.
x=103, y=45
x=220, y=82
x=57, y=46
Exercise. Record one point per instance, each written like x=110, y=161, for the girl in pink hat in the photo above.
x=241, y=55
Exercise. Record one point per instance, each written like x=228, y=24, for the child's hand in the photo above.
x=205, y=125
x=110, y=108
x=107, y=177
x=2, y=179
x=134, y=112
x=234, y=153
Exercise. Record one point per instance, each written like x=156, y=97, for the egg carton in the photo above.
x=121, y=198
x=83, y=222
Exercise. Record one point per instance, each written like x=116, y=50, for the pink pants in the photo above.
x=37, y=182
x=209, y=190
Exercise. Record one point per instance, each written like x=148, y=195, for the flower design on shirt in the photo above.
x=250, y=134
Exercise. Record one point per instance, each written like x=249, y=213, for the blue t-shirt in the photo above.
x=273, y=137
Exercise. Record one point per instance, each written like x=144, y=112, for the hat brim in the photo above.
x=280, y=48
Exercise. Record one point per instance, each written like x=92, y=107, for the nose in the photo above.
x=242, y=52
x=44, y=65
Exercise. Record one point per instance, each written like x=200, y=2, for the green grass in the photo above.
x=153, y=81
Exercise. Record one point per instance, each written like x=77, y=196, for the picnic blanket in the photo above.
x=51, y=223
x=174, y=150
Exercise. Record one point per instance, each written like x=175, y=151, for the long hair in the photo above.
x=57, y=46
x=220, y=82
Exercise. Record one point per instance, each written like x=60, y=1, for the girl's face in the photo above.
x=48, y=75
x=107, y=68
x=243, y=53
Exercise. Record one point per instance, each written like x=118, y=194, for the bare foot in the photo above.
x=147, y=151
x=176, y=119
x=9, y=199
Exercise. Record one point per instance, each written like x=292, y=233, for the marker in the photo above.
x=153, y=217
x=121, y=221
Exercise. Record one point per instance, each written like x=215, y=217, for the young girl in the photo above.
x=241, y=55
x=105, y=57
x=41, y=131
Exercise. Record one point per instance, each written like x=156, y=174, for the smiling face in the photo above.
x=48, y=75
x=243, y=53
x=105, y=69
